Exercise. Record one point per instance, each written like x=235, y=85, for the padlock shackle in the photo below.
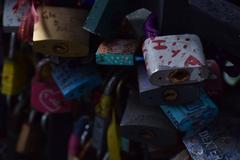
x=12, y=45
x=40, y=66
x=112, y=83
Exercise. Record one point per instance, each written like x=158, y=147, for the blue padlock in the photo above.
x=75, y=80
x=192, y=117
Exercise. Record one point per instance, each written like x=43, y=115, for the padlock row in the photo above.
x=119, y=80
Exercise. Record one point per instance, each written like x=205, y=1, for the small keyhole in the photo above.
x=179, y=76
x=60, y=48
x=170, y=95
x=147, y=134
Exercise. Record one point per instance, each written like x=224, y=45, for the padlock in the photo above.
x=220, y=140
x=74, y=144
x=154, y=95
x=117, y=52
x=30, y=139
x=99, y=134
x=15, y=70
x=211, y=17
x=12, y=19
x=58, y=32
x=137, y=19
x=175, y=59
x=106, y=16
x=147, y=124
x=103, y=116
x=46, y=97
x=14, y=75
x=214, y=84
x=192, y=117
x=75, y=80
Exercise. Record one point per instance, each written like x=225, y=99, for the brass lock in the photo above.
x=179, y=76
x=58, y=32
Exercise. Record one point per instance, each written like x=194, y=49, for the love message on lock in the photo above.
x=56, y=33
x=174, y=59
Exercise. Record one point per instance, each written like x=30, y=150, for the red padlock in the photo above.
x=46, y=96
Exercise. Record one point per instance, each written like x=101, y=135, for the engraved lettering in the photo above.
x=210, y=146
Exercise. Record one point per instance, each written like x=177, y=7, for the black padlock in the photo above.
x=147, y=124
x=218, y=22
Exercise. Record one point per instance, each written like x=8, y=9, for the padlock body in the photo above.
x=174, y=60
x=176, y=94
x=192, y=117
x=58, y=32
x=75, y=81
x=118, y=52
x=147, y=124
x=219, y=140
x=12, y=20
x=46, y=97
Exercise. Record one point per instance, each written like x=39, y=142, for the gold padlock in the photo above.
x=59, y=32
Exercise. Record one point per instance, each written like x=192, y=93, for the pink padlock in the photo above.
x=46, y=96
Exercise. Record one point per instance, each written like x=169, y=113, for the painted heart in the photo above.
x=50, y=100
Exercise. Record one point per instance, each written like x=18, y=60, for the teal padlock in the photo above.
x=118, y=52
x=192, y=117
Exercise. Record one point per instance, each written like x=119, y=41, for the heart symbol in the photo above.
x=48, y=99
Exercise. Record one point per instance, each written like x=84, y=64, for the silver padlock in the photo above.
x=147, y=124
x=156, y=95
x=175, y=60
x=218, y=141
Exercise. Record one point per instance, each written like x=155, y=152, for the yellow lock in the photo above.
x=14, y=75
x=59, y=32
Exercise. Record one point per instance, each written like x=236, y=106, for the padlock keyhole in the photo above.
x=60, y=48
x=179, y=76
x=170, y=95
x=147, y=134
